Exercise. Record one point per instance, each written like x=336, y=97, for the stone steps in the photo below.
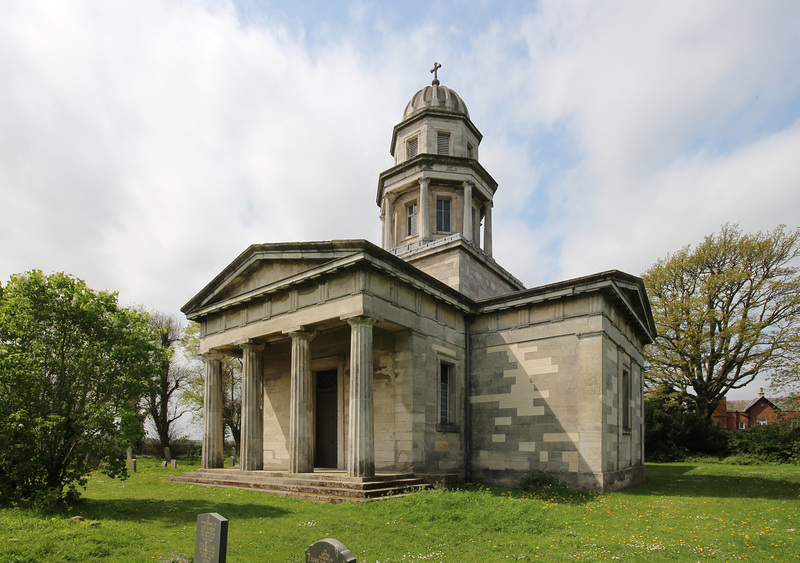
x=321, y=487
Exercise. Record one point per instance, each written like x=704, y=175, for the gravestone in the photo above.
x=211, y=540
x=173, y=464
x=164, y=463
x=166, y=454
x=129, y=453
x=132, y=465
x=232, y=461
x=329, y=550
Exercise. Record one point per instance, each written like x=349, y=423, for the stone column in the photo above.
x=424, y=213
x=467, y=225
x=252, y=440
x=212, y=412
x=487, y=228
x=361, y=426
x=301, y=416
x=388, y=222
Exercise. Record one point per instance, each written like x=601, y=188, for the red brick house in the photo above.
x=739, y=414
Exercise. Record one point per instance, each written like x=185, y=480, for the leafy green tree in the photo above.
x=162, y=401
x=726, y=311
x=231, y=384
x=73, y=364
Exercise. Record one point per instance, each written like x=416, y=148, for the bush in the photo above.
x=537, y=481
x=779, y=442
x=181, y=448
x=743, y=459
x=673, y=434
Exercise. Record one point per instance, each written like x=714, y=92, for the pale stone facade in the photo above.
x=426, y=356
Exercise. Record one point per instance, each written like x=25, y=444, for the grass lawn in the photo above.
x=684, y=512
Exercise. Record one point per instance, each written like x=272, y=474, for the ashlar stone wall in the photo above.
x=545, y=394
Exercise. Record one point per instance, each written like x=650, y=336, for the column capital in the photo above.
x=468, y=183
x=250, y=345
x=301, y=333
x=424, y=180
x=212, y=355
x=362, y=320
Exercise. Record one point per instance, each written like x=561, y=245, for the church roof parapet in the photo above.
x=627, y=290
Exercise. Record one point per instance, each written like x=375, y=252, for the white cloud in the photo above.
x=145, y=144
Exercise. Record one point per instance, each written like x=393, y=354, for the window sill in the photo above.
x=447, y=428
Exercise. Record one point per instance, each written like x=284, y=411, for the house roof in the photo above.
x=744, y=405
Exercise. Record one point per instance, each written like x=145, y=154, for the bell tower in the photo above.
x=436, y=201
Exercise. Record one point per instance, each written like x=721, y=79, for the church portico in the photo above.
x=314, y=371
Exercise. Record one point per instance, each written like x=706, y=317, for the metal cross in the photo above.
x=435, y=71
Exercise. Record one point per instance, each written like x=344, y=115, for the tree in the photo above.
x=725, y=311
x=73, y=364
x=231, y=384
x=161, y=402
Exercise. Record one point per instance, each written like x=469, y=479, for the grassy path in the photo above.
x=684, y=512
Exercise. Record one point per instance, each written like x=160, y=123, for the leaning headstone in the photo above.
x=329, y=550
x=166, y=454
x=173, y=464
x=231, y=461
x=211, y=540
x=164, y=463
x=132, y=465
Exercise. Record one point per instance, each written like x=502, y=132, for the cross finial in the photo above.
x=435, y=71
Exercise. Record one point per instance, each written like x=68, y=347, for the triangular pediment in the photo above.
x=265, y=266
x=265, y=272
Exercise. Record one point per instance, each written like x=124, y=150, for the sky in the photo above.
x=144, y=144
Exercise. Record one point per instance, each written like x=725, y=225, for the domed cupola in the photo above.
x=436, y=97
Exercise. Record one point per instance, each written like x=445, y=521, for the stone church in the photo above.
x=424, y=355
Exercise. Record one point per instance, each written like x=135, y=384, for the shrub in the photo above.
x=743, y=459
x=536, y=481
x=672, y=433
x=779, y=442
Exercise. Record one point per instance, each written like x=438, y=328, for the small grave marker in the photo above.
x=329, y=550
x=211, y=540
x=132, y=465
x=167, y=454
x=231, y=461
x=173, y=464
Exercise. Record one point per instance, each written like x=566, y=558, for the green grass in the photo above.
x=684, y=512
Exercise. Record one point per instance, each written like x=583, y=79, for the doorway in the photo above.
x=325, y=449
